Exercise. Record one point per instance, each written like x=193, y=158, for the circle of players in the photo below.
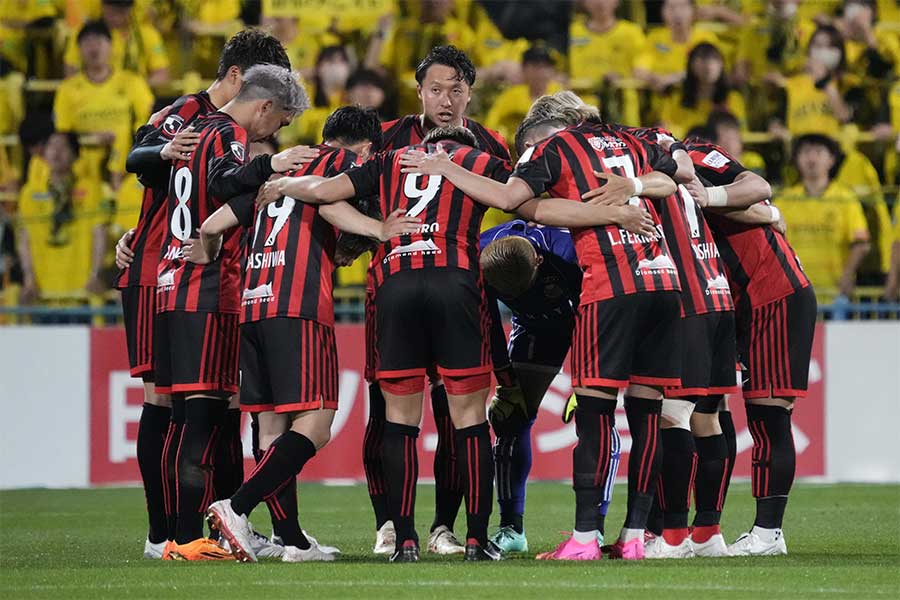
x=657, y=263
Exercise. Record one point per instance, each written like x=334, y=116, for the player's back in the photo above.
x=761, y=263
x=615, y=261
x=184, y=285
x=451, y=220
x=290, y=265
x=150, y=228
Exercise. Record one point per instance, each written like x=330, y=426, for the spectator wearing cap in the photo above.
x=705, y=88
x=604, y=50
x=539, y=77
x=662, y=64
x=104, y=101
x=826, y=224
x=135, y=46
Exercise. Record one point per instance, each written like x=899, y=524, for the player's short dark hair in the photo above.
x=95, y=27
x=819, y=139
x=722, y=118
x=460, y=135
x=352, y=125
x=701, y=133
x=449, y=56
x=251, y=47
x=508, y=265
x=528, y=125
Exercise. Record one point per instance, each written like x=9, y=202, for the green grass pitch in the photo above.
x=844, y=541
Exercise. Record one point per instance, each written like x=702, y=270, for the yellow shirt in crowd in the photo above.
x=411, y=40
x=119, y=105
x=61, y=239
x=143, y=51
x=859, y=174
x=888, y=48
x=510, y=107
x=756, y=39
x=490, y=45
x=808, y=110
x=679, y=119
x=821, y=230
x=593, y=55
x=663, y=56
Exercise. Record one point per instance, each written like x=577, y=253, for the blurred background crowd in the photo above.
x=805, y=93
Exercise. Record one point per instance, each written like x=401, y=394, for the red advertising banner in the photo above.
x=116, y=402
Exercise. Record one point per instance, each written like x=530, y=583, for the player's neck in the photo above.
x=815, y=185
x=601, y=23
x=427, y=124
x=218, y=94
x=97, y=73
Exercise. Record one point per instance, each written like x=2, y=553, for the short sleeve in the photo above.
x=366, y=178
x=714, y=165
x=659, y=159
x=857, y=228
x=539, y=167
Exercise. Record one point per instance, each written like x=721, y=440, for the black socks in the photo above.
x=169, y=463
x=372, y=464
x=401, y=472
x=676, y=476
x=151, y=439
x=477, y=466
x=594, y=421
x=448, y=481
x=229, y=472
x=644, y=458
x=711, y=484
x=773, y=462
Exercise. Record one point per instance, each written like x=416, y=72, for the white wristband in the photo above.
x=638, y=185
x=717, y=195
x=776, y=214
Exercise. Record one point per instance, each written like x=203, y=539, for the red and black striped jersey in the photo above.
x=150, y=229
x=761, y=265
x=289, y=269
x=704, y=285
x=409, y=131
x=194, y=194
x=449, y=236
x=615, y=262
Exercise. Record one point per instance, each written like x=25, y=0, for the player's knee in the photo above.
x=676, y=414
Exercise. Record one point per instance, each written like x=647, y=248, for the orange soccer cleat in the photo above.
x=199, y=549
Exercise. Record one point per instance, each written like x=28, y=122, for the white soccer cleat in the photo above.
x=442, y=541
x=759, y=542
x=262, y=546
x=659, y=548
x=385, y=539
x=326, y=549
x=154, y=551
x=314, y=553
x=234, y=528
x=714, y=547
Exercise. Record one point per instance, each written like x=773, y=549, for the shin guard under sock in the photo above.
x=448, y=487
x=152, y=432
x=372, y=455
x=229, y=472
x=644, y=458
x=679, y=463
x=280, y=464
x=512, y=464
x=169, y=465
x=711, y=483
x=477, y=466
x=401, y=472
x=726, y=422
x=773, y=462
x=594, y=425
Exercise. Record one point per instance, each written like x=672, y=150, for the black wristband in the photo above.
x=677, y=146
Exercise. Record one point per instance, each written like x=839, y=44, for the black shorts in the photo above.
x=775, y=345
x=708, y=356
x=428, y=317
x=540, y=348
x=288, y=365
x=139, y=311
x=628, y=339
x=369, y=373
x=196, y=352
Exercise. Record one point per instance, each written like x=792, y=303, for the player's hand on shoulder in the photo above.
x=614, y=190
x=636, y=220
x=270, y=191
x=193, y=251
x=124, y=255
x=416, y=161
x=399, y=223
x=293, y=158
x=181, y=146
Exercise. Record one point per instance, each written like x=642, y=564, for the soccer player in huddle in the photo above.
x=444, y=79
x=288, y=355
x=775, y=312
x=627, y=325
x=166, y=138
x=196, y=327
x=427, y=286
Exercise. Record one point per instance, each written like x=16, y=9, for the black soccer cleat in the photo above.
x=476, y=552
x=407, y=553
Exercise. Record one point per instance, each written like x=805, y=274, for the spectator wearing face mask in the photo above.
x=814, y=99
x=873, y=52
x=328, y=91
x=775, y=41
x=705, y=89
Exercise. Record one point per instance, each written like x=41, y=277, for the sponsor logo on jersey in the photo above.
x=419, y=246
x=265, y=260
x=607, y=142
x=717, y=286
x=262, y=293
x=660, y=264
x=237, y=149
x=716, y=160
x=172, y=124
x=705, y=251
x=166, y=279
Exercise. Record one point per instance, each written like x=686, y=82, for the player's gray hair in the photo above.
x=271, y=82
x=564, y=106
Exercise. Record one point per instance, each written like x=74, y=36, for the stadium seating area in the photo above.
x=758, y=75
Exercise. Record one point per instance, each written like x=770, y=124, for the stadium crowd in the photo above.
x=806, y=94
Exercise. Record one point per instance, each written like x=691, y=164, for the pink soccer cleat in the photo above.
x=572, y=550
x=630, y=550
